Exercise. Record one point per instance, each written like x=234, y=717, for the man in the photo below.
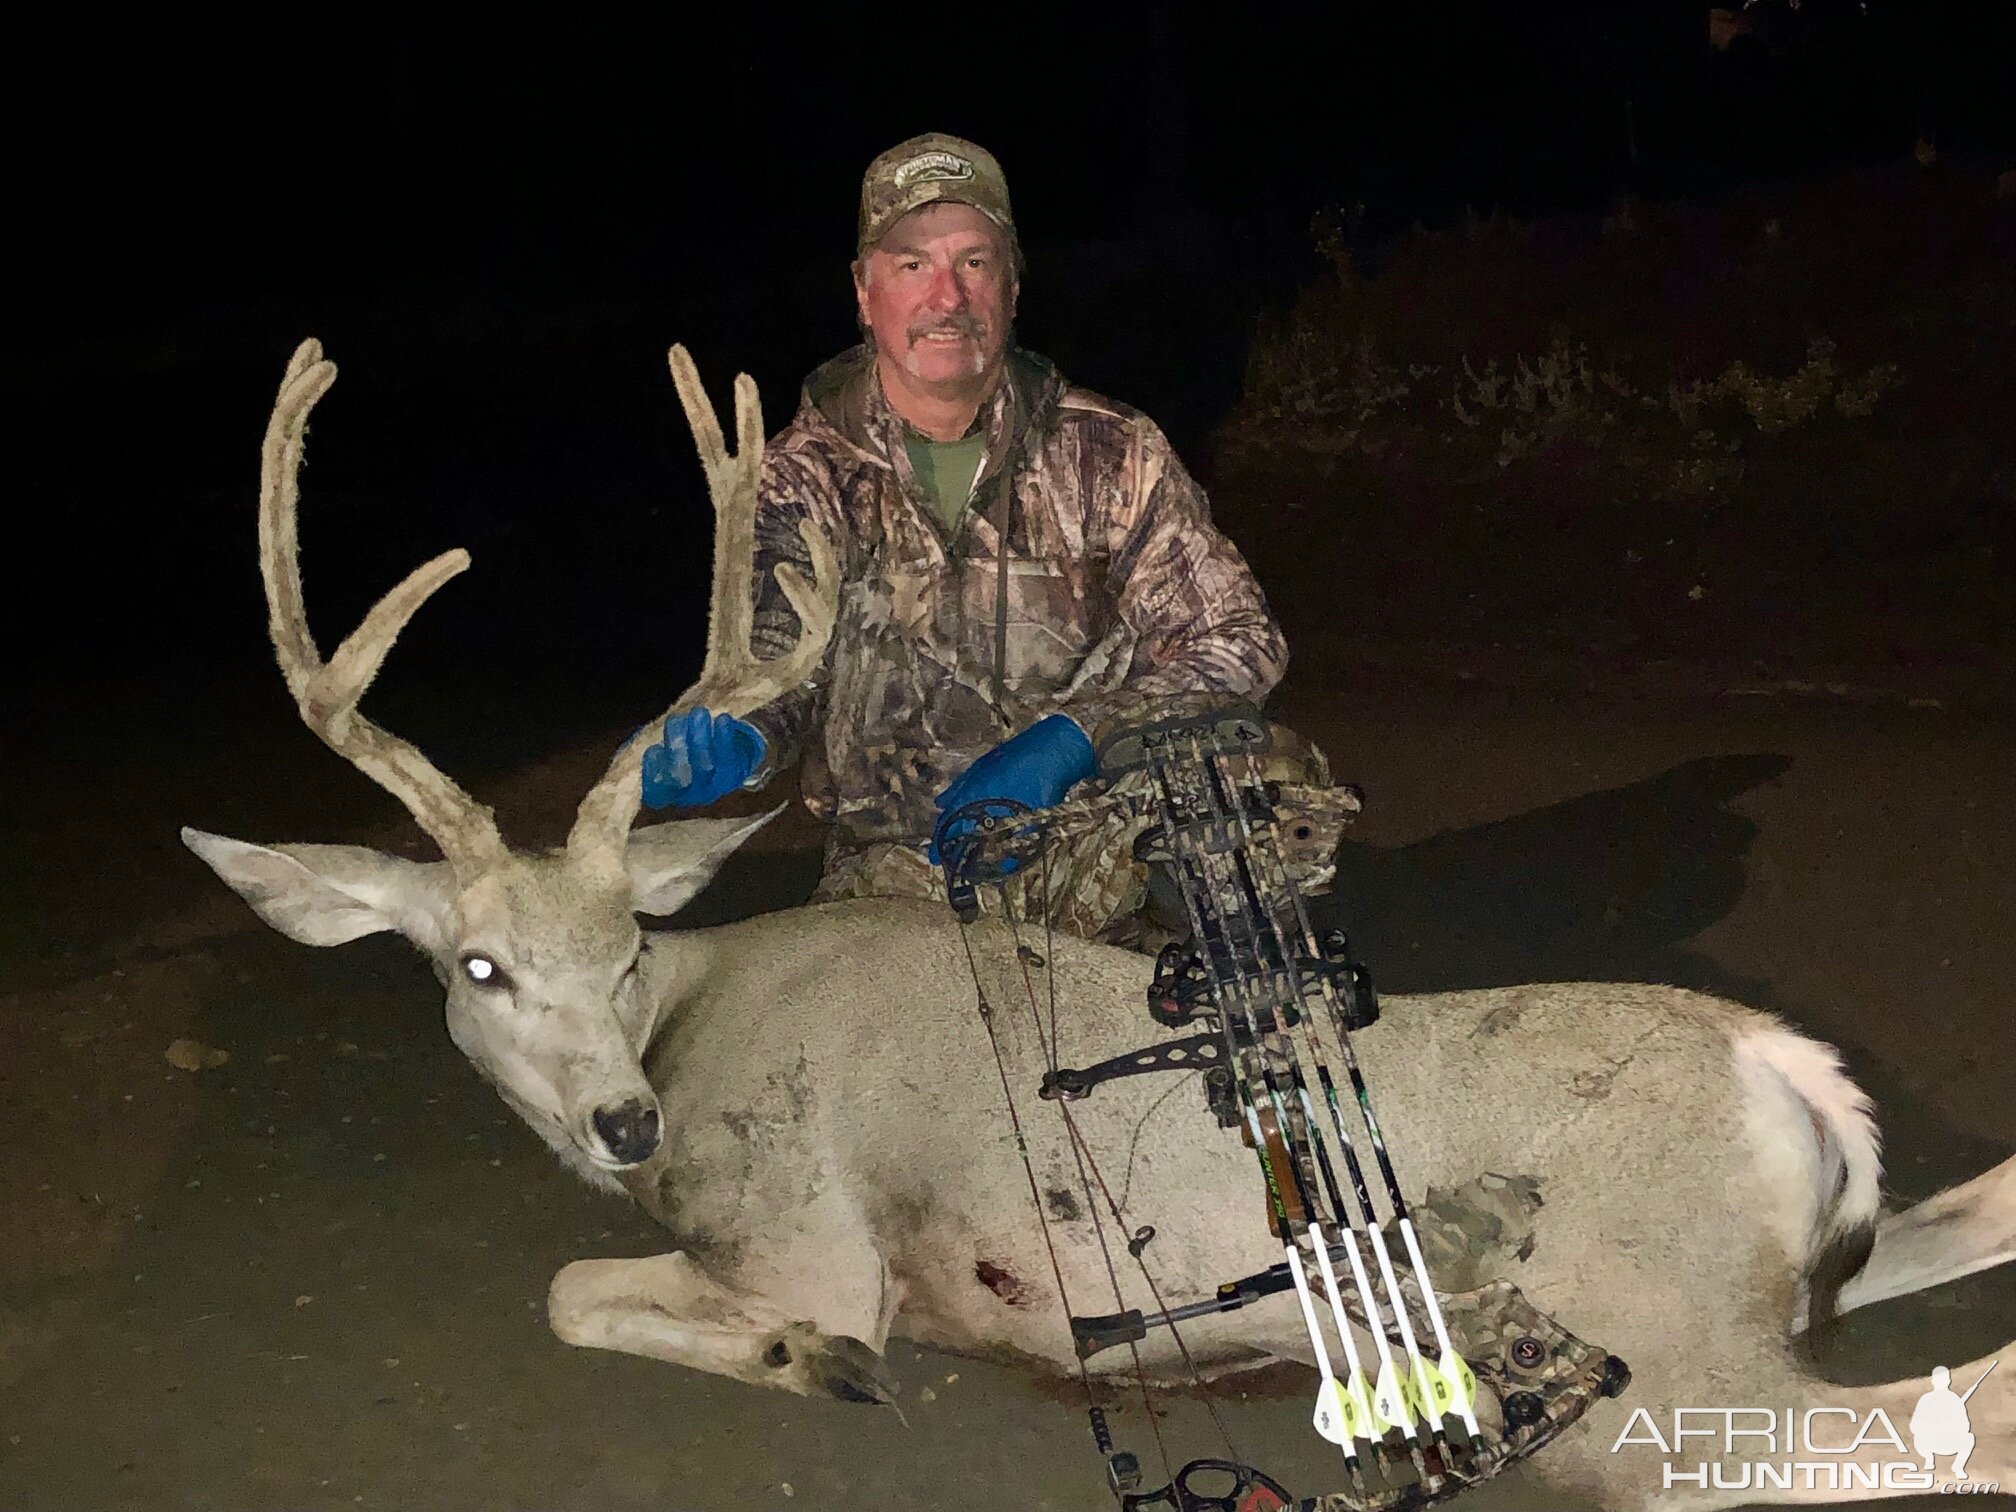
x=1026, y=566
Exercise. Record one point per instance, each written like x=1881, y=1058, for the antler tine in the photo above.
x=327, y=693
x=733, y=680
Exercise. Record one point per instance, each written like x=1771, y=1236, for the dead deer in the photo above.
x=806, y=1100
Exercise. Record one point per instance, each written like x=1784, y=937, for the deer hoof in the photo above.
x=799, y=1358
x=849, y=1371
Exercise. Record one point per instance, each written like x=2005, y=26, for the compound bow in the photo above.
x=1260, y=985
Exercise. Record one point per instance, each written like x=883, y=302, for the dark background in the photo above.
x=496, y=230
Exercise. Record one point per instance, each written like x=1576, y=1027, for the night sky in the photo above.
x=498, y=229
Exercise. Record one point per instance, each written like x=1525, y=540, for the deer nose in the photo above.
x=628, y=1131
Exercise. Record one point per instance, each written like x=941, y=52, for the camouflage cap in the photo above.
x=927, y=169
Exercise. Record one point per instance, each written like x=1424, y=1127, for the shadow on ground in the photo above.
x=1603, y=887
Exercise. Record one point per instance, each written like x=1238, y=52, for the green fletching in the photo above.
x=1358, y=1392
x=1432, y=1395
x=1455, y=1373
x=1389, y=1400
x=1338, y=1417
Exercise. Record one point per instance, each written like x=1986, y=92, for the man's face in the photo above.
x=938, y=293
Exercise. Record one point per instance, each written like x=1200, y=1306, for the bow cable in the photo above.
x=1081, y=1151
x=1092, y=1407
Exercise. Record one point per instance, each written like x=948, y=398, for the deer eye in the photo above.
x=484, y=972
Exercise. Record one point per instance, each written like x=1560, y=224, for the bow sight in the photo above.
x=1272, y=1002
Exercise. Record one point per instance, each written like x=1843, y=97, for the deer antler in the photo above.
x=733, y=680
x=327, y=692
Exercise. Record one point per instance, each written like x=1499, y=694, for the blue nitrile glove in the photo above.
x=1037, y=767
x=702, y=757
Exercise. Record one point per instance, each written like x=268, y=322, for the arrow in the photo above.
x=1389, y=1407
x=1338, y=1417
x=1452, y=1372
x=1418, y=1368
x=1450, y=1382
x=1356, y=1392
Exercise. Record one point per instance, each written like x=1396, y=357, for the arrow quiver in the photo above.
x=1437, y=1391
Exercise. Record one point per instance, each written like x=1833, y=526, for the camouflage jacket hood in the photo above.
x=1118, y=591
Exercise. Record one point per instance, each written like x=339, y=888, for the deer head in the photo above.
x=540, y=953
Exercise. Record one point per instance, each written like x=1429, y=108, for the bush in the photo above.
x=1659, y=352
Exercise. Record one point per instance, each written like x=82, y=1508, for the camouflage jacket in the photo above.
x=1119, y=591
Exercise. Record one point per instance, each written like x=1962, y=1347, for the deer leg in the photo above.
x=667, y=1308
x=1967, y=1228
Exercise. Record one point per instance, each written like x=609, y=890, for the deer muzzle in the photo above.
x=628, y=1132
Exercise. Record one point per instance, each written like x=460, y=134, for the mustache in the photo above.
x=960, y=323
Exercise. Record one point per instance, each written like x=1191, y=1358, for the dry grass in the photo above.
x=1658, y=353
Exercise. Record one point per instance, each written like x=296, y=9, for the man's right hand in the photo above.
x=702, y=757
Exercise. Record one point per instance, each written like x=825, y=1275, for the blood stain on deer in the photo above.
x=1004, y=1283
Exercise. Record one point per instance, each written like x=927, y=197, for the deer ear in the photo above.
x=330, y=894
x=671, y=862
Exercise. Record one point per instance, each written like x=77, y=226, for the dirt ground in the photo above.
x=313, y=1275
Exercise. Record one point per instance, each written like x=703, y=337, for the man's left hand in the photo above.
x=1037, y=767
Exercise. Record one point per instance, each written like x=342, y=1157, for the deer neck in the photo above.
x=675, y=966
